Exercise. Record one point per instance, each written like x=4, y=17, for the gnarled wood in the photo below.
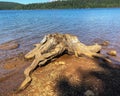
x=53, y=45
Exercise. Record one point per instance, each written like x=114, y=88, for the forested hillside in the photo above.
x=66, y=4
x=74, y=4
x=8, y=5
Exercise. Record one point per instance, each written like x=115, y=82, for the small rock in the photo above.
x=61, y=62
x=105, y=43
x=89, y=93
x=9, y=45
x=112, y=52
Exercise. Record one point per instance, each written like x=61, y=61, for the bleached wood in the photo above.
x=53, y=45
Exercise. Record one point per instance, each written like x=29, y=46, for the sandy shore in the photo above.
x=65, y=75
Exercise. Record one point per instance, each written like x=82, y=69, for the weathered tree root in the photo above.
x=53, y=45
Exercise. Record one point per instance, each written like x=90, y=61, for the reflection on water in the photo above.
x=87, y=24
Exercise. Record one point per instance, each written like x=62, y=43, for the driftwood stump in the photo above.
x=54, y=45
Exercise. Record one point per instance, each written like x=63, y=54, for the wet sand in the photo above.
x=61, y=77
x=11, y=73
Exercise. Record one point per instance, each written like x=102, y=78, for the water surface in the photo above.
x=88, y=24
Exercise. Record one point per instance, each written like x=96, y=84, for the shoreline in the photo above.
x=10, y=70
x=61, y=9
x=12, y=67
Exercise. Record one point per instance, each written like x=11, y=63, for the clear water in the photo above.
x=87, y=24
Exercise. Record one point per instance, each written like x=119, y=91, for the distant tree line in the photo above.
x=61, y=4
x=8, y=5
x=73, y=4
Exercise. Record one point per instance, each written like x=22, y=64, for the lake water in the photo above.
x=87, y=24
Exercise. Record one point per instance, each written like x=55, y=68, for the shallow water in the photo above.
x=86, y=23
x=29, y=26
